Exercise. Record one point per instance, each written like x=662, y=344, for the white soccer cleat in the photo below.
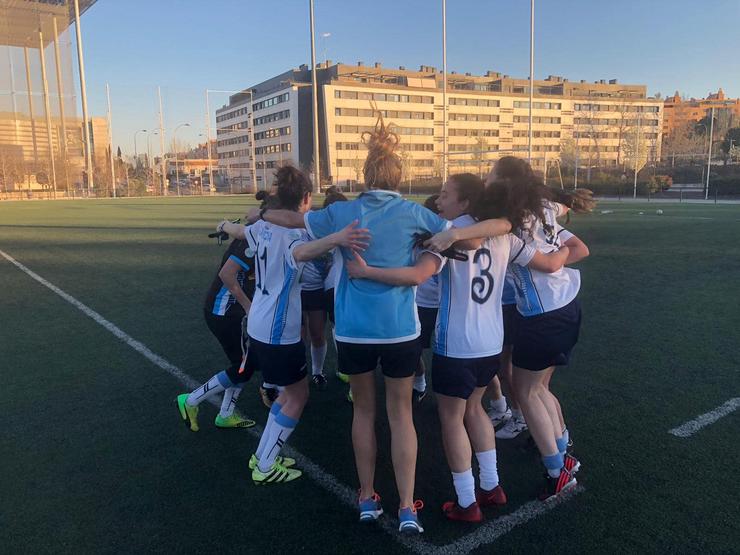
x=499, y=417
x=513, y=427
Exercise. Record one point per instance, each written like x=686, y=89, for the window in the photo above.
x=270, y=101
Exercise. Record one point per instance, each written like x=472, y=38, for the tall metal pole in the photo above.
x=531, y=74
x=637, y=152
x=251, y=140
x=13, y=94
x=315, y=100
x=110, y=139
x=208, y=144
x=709, y=154
x=177, y=168
x=30, y=107
x=83, y=95
x=47, y=109
x=445, y=161
x=161, y=143
x=60, y=93
x=575, y=177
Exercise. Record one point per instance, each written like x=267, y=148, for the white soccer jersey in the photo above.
x=470, y=321
x=275, y=316
x=337, y=263
x=315, y=273
x=427, y=294
x=538, y=292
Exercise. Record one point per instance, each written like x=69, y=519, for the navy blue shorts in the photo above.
x=280, y=364
x=313, y=301
x=428, y=320
x=397, y=360
x=509, y=312
x=547, y=339
x=458, y=377
x=329, y=294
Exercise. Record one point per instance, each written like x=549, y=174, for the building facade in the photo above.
x=487, y=117
x=679, y=112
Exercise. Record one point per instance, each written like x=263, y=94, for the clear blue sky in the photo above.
x=186, y=46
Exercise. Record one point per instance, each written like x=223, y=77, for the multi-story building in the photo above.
x=678, y=112
x=265, y=126
x=487, y=117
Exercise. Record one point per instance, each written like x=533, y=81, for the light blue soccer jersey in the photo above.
x=369, y=311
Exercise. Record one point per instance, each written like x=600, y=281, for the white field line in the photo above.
x=485, y=534
x=692, y=426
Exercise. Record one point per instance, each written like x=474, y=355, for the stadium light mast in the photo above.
x=315, y=101
x=110, y=138
x=531, y=75
x=445, y=160
x=709, y=154
x=83, y=95
x=174, y=143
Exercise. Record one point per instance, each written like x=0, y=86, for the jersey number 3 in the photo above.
x=482, y=286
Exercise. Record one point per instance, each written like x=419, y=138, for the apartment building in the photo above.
x=487, y=117
x=680, y=112
x=265, y=126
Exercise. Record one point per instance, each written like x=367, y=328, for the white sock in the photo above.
x=229, y=403
x=488, y=469
x=216, y=384
x=420, y=383
x=278, y=434
x=266, y=433
x=464, y=487
x=499, y=405
x=517, y=413
x=318, y=356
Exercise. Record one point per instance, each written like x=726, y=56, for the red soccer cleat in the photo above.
x=555, y=486
x=571, y=463
x=453, y=511
x=495, y=497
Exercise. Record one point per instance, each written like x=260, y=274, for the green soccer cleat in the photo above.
x=287, y=462
x=342, y=377
x=277, y=473
x=233, y=421
x=189, y=414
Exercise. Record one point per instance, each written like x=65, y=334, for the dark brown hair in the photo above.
x=292, y=186
x=431, y=203
x=516, y=194
x=383, y=168
x=469, y=187
x=333, y=195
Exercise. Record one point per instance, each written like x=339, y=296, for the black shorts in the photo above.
x=428, y=320
x=228, y=330
x=546, y=339
x=280, y=364
x=397, y=360
x=509, y=312
x=330, y=303
x=312, y=301
x=458, y=377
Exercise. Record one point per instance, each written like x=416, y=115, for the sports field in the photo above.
x=94, y=457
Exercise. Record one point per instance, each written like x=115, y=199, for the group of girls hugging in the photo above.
x=497, y=303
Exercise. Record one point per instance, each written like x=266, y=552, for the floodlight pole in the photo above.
x=110, y=138
x=531, y=75
x=637, y=152
x=709, y=154
x=83, y=95
x=47, y=109
x=445, y=160
x=315, y=101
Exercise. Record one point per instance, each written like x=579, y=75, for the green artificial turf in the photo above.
x=94, y=459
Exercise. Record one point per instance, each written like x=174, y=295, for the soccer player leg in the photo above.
x=285, y=365
x=458, y=452
x=497, y=409
x=316, y=330
x=187, y=403
x=398, y=362
x=516, y=424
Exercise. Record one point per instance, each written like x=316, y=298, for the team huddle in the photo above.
x=479, y=274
